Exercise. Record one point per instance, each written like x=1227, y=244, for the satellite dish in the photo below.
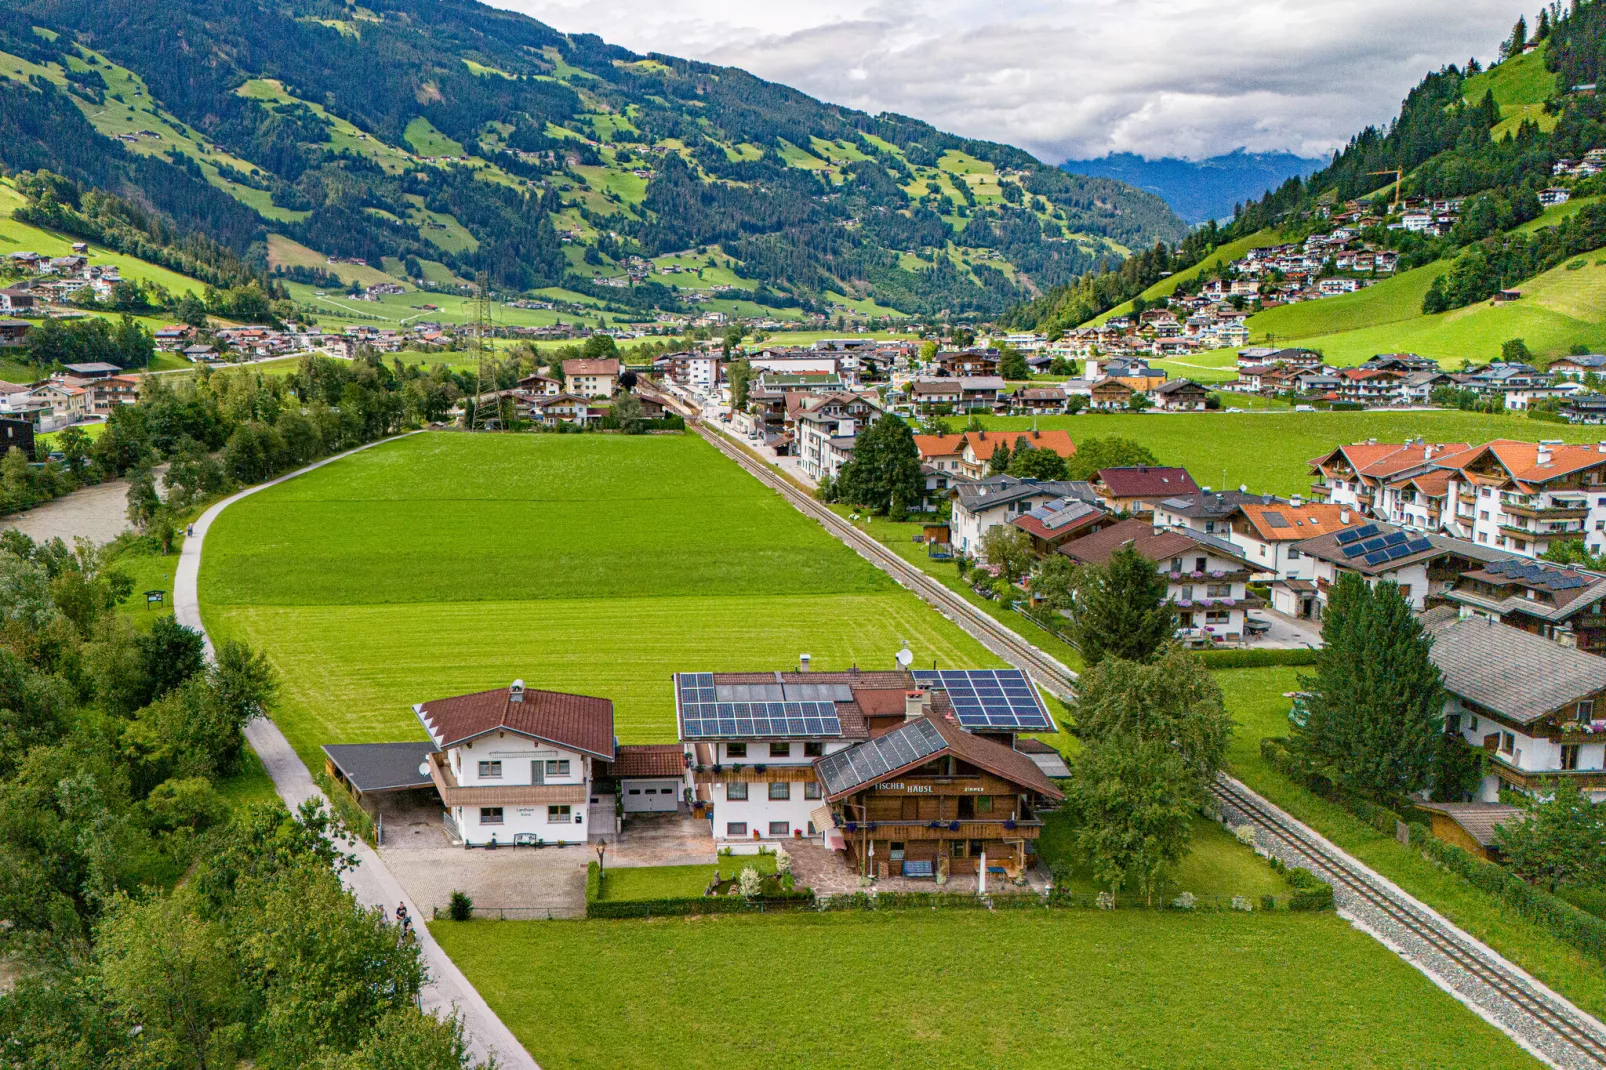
x=423, y=769
x=905, y=657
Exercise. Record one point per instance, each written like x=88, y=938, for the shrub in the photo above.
x=460, y=907
x=593, y=884
x=750, y=883
x=1185, y=901
x=1241, y=902
x=1310, y=891
x=1105, y=901
x=1268, y=903
x=1245, y=834
x=783, y=862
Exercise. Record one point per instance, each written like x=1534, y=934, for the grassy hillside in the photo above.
x=1389, y=301
x=1565, y=306
x=1520, y=86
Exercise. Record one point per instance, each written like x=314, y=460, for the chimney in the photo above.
x=914, y=704
x=802, y=663
x=1543, y=456
x=1427, y=453
x=1243, y=488
x=1343, y=516
x=515, y=691
x=1296, y=501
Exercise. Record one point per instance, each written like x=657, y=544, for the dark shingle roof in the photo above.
x=1514, y=673
x=381, y=766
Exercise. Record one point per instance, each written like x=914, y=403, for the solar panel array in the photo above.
x=1350, y=535
x=990, y=698
x=1387, y=548
x=867, y=762
x=1551, y=578
x=703, y=716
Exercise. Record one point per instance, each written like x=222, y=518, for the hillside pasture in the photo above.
x=445, y=563
x=1030, y=989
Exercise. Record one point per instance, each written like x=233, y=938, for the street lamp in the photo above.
x=602, y=850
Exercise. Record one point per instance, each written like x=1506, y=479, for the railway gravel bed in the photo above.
x=1501, y=993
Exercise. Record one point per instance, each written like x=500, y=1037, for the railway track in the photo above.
x=1045, y=670
x=1576, y=1040
x=1544, y=1023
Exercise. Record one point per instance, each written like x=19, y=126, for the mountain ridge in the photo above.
x=1201, y=190
x=575, y=160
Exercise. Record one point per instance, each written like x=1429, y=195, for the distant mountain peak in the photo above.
x=1200, y=190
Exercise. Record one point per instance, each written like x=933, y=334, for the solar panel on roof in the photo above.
x=1397, y=552
x=1354, y=551
x=1373, y=544
x=866, y=762
x=701, y=717
x=1348, y=535
x=1377, y=557
x=1399, y=538
x=990, y=698
x=1418, y=545
x=1366, y=532
x=1276, y=520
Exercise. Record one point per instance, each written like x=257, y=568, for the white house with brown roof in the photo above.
x=514, y=765
x=591, y=378
x=1270, y=534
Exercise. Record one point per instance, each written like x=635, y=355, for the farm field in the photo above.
x=1060, y=989
x=445, y=563
x=1268, y=450
x=1256, y=700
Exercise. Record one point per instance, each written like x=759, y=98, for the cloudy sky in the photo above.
x=1078, y=77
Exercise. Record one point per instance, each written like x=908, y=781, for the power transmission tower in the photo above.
x=485, y=377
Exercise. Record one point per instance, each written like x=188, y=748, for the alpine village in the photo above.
x=517, y=551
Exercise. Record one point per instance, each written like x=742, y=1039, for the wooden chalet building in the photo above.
x=931, y=799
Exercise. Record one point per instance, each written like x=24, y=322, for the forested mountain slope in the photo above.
x=448, y=133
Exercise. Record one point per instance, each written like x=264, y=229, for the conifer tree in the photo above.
x=1375, y=708
x=1121, y=610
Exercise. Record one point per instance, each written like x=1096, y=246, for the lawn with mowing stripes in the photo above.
x=446, y=563
x=1057, y=989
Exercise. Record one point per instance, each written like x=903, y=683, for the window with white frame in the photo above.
x=490, y=770
x=559, y=815
x=490, y=815
x=736, y=791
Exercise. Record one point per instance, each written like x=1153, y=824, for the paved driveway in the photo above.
x=510, y=882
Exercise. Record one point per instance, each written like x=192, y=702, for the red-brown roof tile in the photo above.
x=577, y=722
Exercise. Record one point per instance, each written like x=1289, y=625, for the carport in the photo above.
x=375, y=772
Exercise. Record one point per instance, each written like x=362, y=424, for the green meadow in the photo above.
x=1268, y=451
x=1051, y=989
x=445, y=563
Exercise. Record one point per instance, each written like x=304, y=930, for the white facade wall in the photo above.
x=514, y=757
x=1522, y=751
x=758, y=810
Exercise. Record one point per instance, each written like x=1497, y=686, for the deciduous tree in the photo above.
x=885, y=469
x=1134, y=809
x=1563, y=840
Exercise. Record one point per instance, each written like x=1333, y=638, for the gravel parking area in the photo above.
x=513, y=882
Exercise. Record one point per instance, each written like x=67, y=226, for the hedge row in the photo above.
x=1561, y=919
x=1569, y=923
x=597, y=907
x=1256, y=659
x=1310, y=891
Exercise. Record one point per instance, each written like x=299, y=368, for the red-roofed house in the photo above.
x=1136, y=489
x=1206, y=576
x=969, y=453
x=1268, y=533
x=591, y=378
x=514, y=765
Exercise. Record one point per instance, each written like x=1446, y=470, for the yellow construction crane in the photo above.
x=1397, y=178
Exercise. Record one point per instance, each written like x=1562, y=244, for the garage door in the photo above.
x=651, y=796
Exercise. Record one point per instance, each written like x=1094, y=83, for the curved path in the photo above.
x=446, y=990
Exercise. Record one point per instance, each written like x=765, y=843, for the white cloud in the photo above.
x=1077, y=77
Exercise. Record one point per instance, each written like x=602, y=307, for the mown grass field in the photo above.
x=1269, y=450
x=446, y=563
x=1060, y=989
x=1256, y=699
